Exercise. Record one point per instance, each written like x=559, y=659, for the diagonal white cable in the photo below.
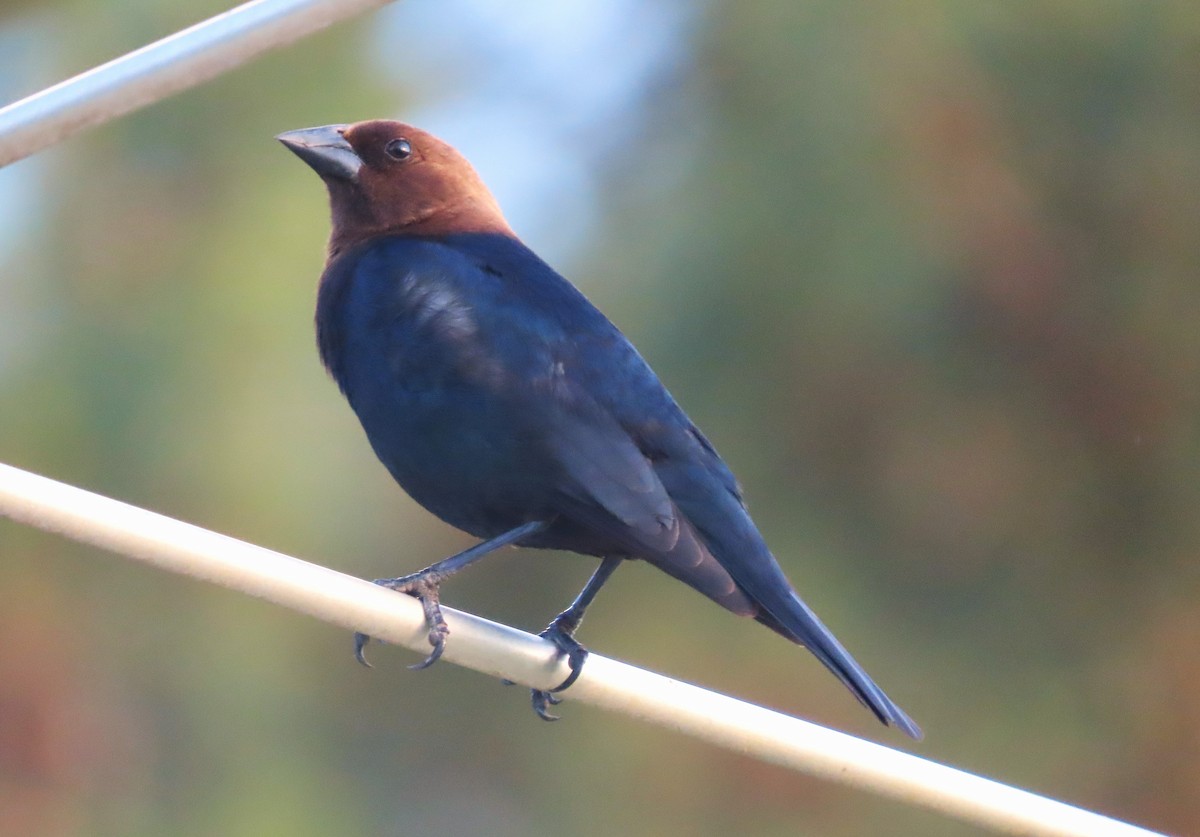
x=506, y=652
x=160, y=69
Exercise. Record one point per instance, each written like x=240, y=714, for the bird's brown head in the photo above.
x=387, y=177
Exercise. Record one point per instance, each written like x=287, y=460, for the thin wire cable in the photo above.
x=506, y=652
x=160, y=69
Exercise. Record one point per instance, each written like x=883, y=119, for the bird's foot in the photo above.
x=560, y=632
x=423, y=586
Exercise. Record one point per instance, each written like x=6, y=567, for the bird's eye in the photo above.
x=398, y=149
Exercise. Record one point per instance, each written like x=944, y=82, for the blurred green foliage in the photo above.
x=927, y=275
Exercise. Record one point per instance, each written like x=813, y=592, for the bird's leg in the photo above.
x=424, y=586
x=561, y=631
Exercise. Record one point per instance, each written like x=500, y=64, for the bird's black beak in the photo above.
x=325, y=149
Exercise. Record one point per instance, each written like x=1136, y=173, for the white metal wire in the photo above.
x=506, y=652
x=163, y=68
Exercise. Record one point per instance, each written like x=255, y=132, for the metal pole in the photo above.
x=162, y=68
x=506, y=652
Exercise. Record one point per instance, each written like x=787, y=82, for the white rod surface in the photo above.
x=506, y=652
x=162, y=68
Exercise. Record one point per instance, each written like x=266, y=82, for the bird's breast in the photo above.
x=438, y=390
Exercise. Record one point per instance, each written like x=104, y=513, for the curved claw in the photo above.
x=575, y=661
x=360, y=645
x=438, y=640
x=424, y=588
x=541, y=700
x=575, y=653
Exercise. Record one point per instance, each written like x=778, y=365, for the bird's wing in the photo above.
x=703, y=490
x=608, y=484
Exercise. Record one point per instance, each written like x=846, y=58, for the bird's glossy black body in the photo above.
x=499, y=397
x=496, y=394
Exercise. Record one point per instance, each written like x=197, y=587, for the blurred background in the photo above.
x=927, y=276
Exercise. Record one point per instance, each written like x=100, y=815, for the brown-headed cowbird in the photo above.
x=511, y=408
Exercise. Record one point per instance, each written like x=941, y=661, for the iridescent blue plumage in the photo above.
x=499, y=397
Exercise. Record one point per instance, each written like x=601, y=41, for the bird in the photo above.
x=509, y=406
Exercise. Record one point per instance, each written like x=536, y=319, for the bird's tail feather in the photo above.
x=740, y=549
x=803, y=626
x=730, y=563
